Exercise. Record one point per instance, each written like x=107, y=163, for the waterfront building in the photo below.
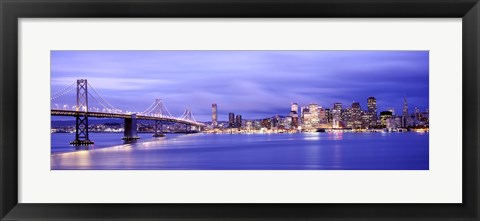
x=231, y=120
x=328, y=115
x=302, y=112
x=288, y=122
x=257, y=124
x=306, y=118
x=346, y=117
x=384, y=116
x=274, y=121
x=322, y=118
x=417, y=113
x=238, y=121
x=336, y=115
x=294, y=119
x=406, y=118
x=214, y=115
x=398, y=121
x=294, y=116
x=372, y=106
x=372, y=112
x=390, y=124
x=314, y=110
x=355, y=116
x=266, y=123
x=249, y=125
x=311, y=116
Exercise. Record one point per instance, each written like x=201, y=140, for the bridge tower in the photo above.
x=81, y=126
x=187, y=115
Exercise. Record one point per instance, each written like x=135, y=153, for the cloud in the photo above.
x=248, y=82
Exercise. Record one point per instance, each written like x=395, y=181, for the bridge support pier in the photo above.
x=81, y=132
x=158, y=125
x=130, y=129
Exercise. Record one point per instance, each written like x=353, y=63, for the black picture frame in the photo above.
x=12, y=10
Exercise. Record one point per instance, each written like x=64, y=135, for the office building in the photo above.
x=214, y=115
x=231, y=120
x=238, y=121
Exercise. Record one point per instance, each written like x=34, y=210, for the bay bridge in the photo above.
x=88, y=104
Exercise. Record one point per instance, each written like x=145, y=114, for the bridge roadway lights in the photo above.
x=130, y=130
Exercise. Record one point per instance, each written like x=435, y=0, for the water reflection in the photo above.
x=325, y=151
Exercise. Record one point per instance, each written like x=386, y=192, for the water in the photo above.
x=305, y=151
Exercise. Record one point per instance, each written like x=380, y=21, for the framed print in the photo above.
x=308, y=110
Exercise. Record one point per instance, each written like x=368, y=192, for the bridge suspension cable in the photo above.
x=101, y=98
x=62, y=92
x=188, y=115
x=157, y=108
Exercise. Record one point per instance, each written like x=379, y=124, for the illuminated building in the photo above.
x=238, y=121
x=328, y=115
x=294, y=115
x=355, y=116
x=417, y=113
x=214, y=115
x=231, y=120
x=372, y=111
x=314, y=120
x=406, y=118
x=249, y=125
x=336, y=115
x=311, y=116
x=322, y=116
x=266, y=123
x=384, y=116
x=295, y=107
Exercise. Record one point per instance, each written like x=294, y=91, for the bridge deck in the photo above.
x=121, y=115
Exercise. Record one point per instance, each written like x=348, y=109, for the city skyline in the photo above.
x=411, y=110
x=254, y=84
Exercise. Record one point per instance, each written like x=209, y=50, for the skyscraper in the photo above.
x=231, y=120
x=336, y=115
x=355, y=116
x=328, y=115
x=238, y=121
x=406, y=118
x=295, y=107
x=294, y=115
x=312, y=117
x=372, y=111
x=214, y=115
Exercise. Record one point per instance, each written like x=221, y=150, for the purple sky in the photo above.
x=255, y=84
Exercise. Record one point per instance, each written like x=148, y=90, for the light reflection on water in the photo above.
x=319, y=151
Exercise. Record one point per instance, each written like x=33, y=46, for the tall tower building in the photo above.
x=406, y=118
x=405, y=107
x=372, y=111
x=238, y=121
x=372, y=105
x=231, y=120
x=295, y=107
x=294, y=115
x=355, y=115
x=336, y=115
x=214, y=115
